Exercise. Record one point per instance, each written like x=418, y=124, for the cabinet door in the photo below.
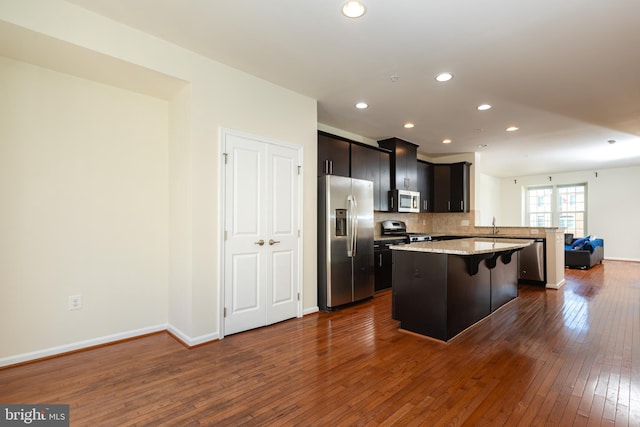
x=406, y=172
x=382, y=261
x=372, y=164
x=441, y=188
x=365, y=164
x=404, y=175
x=425, y=185
x=460, y=187
x=385, y=180
x=333, y=155
x=410, y=180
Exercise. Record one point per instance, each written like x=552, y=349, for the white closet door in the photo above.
x=261, y=255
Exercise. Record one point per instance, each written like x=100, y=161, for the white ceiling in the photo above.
x=566, y=72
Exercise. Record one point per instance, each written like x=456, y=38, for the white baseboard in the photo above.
x=621, y=259
x=310, y=310
x=189, y=341
x=556, y=285
x=52, y=351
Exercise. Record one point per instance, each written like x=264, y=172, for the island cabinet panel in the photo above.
x=504, y=281
x=468, y=297
x=442, y=288
x=420, y=293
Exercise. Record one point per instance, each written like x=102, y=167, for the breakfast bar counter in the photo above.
x=441, y=288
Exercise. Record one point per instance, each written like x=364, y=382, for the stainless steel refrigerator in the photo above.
x=345, y=241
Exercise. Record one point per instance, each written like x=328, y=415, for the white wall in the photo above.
x=84, y=194
x=211, y=96
x=488, y=197
x=611, y=203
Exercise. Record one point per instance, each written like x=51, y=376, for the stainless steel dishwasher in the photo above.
x=532, y=263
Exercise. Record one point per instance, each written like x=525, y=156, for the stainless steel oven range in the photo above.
x=392, y=233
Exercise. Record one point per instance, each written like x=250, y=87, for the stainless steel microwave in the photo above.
x=404, y=201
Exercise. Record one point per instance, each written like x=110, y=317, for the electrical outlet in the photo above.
x=464, y=223
x=75, y=302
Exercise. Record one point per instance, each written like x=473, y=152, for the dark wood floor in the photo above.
x=564, y=358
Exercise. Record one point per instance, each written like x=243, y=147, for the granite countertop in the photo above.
x=471, y=246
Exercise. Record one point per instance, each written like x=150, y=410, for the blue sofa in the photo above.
x=584, y=252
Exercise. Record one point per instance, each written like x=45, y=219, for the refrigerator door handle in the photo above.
x=355, y=226
x=352, y=225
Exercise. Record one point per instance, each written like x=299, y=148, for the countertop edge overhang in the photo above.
x=470, y=246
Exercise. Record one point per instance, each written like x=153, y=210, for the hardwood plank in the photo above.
x=567, y=357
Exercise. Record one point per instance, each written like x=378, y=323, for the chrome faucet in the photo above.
x=493, y=223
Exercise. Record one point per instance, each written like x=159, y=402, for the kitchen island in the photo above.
x=442, y=288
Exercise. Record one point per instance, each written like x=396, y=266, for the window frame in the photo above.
x=529, y=211
x=555, y=206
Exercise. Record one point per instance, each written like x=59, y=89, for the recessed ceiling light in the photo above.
x=362, y=105
x=446, y=141
x=512, y=128
x=353, y=9
x=408, y=125
x=444, y=77
x=484, y=107
x=482, y=145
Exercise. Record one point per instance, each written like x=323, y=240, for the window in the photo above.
x=572, y=208
x=539, y=210
x=562, y=206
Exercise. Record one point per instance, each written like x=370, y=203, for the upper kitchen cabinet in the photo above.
x=441, y=188
x=404, y=172
x=372, y=164
x=425, y=185
x=460, y=183
x=451, y=184
x=341, y=156
x=333, y=155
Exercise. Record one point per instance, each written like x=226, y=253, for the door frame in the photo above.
x=222, y=186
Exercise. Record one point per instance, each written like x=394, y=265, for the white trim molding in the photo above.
x=191, y=341
x=80, y=345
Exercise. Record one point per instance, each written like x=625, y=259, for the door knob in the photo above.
x=259, y=242
x=273, y=242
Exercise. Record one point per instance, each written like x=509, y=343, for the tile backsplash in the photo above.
x=462, y=223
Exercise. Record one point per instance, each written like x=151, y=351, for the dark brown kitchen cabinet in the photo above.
x=425, y=185
x=451, y=184
x=441, y=188
x=333, y=155
x=372, y=164
x=341, y=156
x=382, y=265
x=385, y=181
x=404, y=171
x=460, y=183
